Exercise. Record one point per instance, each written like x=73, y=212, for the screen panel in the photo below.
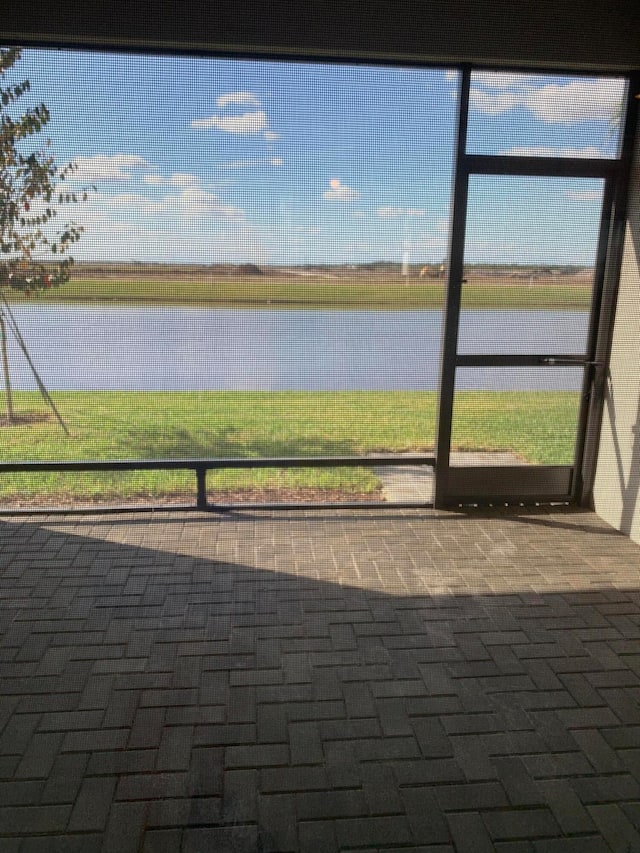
x=544, y=115
x=259, y=273
x=530, y=250
x=515, y=416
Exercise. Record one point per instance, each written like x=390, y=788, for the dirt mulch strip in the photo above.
x=224, y=497
x=26, y=418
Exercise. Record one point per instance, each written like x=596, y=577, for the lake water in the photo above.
x=82, y=347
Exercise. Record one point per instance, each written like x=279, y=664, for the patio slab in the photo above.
x=319, y=681
x=414, y=483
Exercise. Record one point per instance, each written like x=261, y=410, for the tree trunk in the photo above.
x=5, y=370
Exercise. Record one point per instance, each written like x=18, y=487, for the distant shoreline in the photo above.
x=373, y=269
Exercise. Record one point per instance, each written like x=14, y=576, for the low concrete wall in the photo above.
x=616, y=493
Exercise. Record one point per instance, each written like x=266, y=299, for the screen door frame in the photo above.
x=533, y=483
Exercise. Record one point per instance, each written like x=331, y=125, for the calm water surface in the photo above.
x=169, y=348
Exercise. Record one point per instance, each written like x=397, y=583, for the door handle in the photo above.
x=569, y=362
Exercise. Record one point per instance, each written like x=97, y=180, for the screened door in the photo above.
x=530, y=225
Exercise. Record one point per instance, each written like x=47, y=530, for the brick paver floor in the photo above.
x=414, y=681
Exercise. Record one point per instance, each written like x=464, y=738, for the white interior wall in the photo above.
x=616, y=493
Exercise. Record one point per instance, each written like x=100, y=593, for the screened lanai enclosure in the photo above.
x=303, y=283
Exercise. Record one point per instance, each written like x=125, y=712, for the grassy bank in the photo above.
x=537, y=426
x=313, y=292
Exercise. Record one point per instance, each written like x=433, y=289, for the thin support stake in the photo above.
x=5, y=368
x=39, y=382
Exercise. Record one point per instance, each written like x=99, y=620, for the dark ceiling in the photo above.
x=597, y=34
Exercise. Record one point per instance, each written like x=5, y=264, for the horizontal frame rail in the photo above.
x=200, y=468
x=218, y=464
x=544, y=167
x=540, y=360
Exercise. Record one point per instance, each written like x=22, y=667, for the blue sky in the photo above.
x=223, y=160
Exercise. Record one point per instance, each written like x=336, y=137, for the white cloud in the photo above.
x=590, y=151
x=568, y=103
x=241, y=164
x=493, y=103
x=183, y=179
x=238, y=98
x=340, y=192
x=583, y=195
x=128, y=202
x=501, y=80
x=196, y=242
x=187, y=222
x=392, y=212
x=253, y=122
x=451, y=76
x=154, y=179
x=177, y=179
x=580, y=100
x=192, y=201
x=252, y=164
x=104, y=167
x=249, y=122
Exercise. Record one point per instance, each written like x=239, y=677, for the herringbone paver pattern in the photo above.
x=408, y=681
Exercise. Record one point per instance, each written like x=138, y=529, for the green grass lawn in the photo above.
x=312, y=292
x=538, y=426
